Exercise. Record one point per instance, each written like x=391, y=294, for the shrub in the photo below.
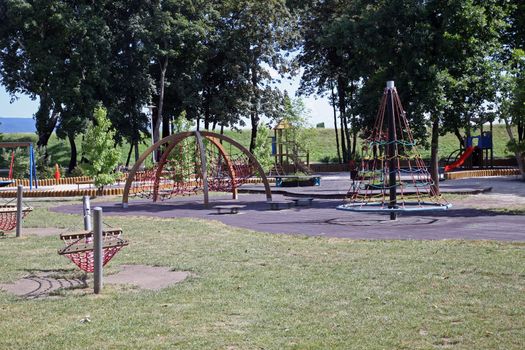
x=100, y=151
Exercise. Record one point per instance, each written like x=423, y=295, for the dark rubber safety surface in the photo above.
x=322, y=219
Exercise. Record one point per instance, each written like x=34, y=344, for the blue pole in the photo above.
x=34, y=166
x=30, y=167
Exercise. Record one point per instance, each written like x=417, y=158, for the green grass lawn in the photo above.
x=264, y=291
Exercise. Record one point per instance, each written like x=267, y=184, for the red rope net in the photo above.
x=179, y=171
x=227, y=171
x=8, y=216
x=79, y=248
x=392, y=164
x=176, y=174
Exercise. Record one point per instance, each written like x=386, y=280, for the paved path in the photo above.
x=463, y=221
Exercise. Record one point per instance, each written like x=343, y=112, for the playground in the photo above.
x=204, y=250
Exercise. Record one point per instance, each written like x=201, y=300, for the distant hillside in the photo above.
x=10, y=125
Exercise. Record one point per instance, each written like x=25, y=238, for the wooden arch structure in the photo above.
x=183, y=169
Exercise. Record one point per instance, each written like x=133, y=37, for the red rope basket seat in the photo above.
x=79, y=247
x=8, y=216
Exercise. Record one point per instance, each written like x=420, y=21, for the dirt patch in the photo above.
x=44, y=231
x=42, y=285
x=39, y=231
x=493, y=200
x=146, y=277
x=46, y=284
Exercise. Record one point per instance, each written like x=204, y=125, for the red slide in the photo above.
x=461, y=159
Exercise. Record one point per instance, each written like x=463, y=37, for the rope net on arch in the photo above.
x=179, y=173
x=176, y=174
x=391, y=167
x=228, y=169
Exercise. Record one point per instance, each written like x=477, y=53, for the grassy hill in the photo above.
x=321, y=144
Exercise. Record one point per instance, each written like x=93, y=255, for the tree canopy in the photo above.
x=457, y=63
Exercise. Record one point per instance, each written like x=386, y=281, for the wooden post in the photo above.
x=98, y=255
x=204, y=171
x=19, y=194
x=86, y=213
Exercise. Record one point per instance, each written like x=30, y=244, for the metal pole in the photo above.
x=391, y=148
x=86, y=212
x=34, y=166
x=30, y=166
x=19, y=194
x=98, y=255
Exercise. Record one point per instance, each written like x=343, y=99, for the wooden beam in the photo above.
x=15, y=144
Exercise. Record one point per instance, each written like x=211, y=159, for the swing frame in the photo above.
x=32, y=163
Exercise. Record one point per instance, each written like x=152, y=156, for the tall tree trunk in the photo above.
x=354, y=142
x=166, y=119
x=136, y=146
x=73, y=159
x=434, y=157
x=521, y=131
x=341, y=94
x=45, y=123
x=335, y=124
x=461, y=141
x=517, y=154
x=254, y=115
x=343, y=143
x=468, y=128
x=347, y=136
x=255, y=122
x=206, y=107
x=353, y=125
x=163, y=62
x=129, y=155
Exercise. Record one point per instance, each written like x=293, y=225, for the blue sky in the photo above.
x=320, y=110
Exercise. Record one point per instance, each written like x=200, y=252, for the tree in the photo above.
x=511, y=79
x=174, y=29
x=332, y=60
x=129, y=87
x=263, y=149
x=296, y=115
x=99, y=149
x=259, y=34
x=511, y=103
x=55, y=51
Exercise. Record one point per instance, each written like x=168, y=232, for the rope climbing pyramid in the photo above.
x=392, y=178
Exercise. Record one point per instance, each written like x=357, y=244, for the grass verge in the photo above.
x=254, y=290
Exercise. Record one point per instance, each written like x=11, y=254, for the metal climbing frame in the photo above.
x=393, y=177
